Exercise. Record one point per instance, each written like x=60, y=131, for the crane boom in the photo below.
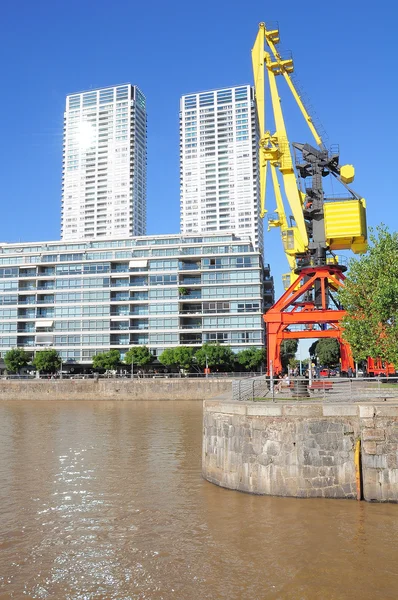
x=316, y=226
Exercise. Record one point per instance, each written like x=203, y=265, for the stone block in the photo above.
x=271, y=410
x=302, y=410
x=374, y=461
x=370, y=435
x=386, y=411
x=369, y=447
x=366, y=411
x=367, y=423
x=340, y=410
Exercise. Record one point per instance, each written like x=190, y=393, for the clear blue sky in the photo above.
x=50, y=49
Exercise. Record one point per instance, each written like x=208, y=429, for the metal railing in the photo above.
x=333, y=389
x=137, y=375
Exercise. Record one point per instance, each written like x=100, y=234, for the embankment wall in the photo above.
x=301, y=450
x=113, y=389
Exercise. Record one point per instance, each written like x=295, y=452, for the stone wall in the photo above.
x=113, y=389
x=379, y=434
x=301, y=450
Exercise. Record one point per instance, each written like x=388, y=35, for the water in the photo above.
x=105, y=500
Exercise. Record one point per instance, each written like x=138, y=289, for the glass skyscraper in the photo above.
x=219, y=180
x=104, y=164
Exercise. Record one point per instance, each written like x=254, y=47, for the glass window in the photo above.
x=162, y=279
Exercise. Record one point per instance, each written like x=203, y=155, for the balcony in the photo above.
x=27, y=300
x=190, y=280
x=120, y=282
x=120, y=340
x=188, y=266
x=137, y=338
x=119, y=296
x=120, y=326
x=190, y=338
x=139, y=281
x=191, y=294
x=27, y=328
x=120, y=311
x=45, y=285
x=190, y=309
x=138, y=323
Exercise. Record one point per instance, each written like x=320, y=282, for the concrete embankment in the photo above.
x=302, y=450
x=113, y=389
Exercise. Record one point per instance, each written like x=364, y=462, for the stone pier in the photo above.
x=302, y=450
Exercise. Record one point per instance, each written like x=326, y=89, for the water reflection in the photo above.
x=105, y=500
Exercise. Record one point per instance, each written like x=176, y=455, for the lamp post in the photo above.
x=207, y=367
x=132, y=368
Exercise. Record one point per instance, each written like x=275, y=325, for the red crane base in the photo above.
x=297, y=315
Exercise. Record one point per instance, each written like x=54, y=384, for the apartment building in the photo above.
x=219, y=182
x=86, y=297
x=104, y=164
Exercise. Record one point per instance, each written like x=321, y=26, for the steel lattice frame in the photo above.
x=297, y=309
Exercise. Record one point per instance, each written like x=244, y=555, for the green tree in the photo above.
x=107, y=361
x=140, y=356
x=216, y=357
x=16, y=359
x=184, y=357
x=370, y=297
x=251, y=358
x=312, y=349
x=288, y=351
x=181, y=357
x=47, y=361
x=327, y=351
x=167, y=358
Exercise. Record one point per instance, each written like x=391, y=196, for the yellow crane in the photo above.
x=317, y=226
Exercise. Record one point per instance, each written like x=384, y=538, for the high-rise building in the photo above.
x=219, y=163
x=104, y=164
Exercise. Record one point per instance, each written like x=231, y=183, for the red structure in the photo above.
x=308, y=309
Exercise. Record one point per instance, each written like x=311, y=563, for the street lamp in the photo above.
x=132, y=368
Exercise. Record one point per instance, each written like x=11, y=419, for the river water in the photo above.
x=105, y=500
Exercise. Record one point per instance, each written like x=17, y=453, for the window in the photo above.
x=163, y=323
x=162, y=279
x=163, y=308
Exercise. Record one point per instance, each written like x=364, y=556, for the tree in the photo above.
x=370, y=297
x=216, y=357
x=184, y=357
x=327, y=351
x=47, y=361
x=16, y=359
x=139, y=356
x=312, y=349
x=180, y=357
x=251, y=358
x=167, y=358
x=107, y=361
x=288, y=351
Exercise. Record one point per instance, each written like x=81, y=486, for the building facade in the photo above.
x=162, y=291
x=219, y=183
x=104, y=164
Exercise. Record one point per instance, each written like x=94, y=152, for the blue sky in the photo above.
x=170, y=48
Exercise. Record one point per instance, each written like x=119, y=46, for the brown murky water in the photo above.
x=103, y=500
